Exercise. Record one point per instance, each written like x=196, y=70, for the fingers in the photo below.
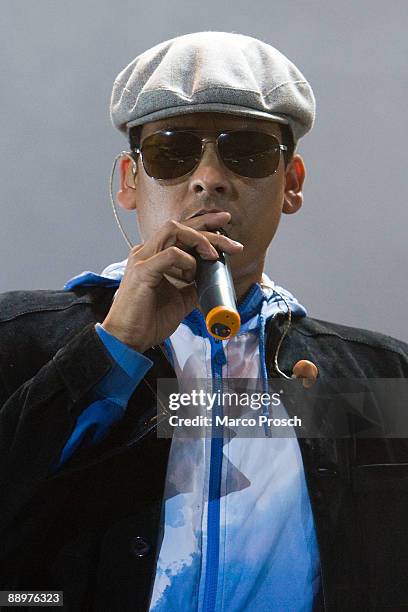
x=165, y=262
x=188, y=238
x=223, y=243
x=186, y=276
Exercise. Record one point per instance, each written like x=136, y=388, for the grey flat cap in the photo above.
x=212, y=72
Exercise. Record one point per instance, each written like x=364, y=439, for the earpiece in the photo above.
x=306, y=370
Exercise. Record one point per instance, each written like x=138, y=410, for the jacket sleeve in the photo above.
x=39, y=417
x=111, y=395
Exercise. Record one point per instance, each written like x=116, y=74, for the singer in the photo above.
x=93, y=503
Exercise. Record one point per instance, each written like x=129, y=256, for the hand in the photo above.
x=148, y=307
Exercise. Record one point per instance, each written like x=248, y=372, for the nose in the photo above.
x=210, y=178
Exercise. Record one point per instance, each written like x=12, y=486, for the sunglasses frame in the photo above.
x=204, y=141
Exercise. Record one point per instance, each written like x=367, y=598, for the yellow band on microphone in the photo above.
x=223, y=323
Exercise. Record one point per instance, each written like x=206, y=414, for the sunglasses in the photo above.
x=170, y=154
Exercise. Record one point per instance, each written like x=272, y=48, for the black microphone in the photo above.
x=216, y=295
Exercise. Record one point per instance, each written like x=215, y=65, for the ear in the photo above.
x=294, y=178
x=126, y=196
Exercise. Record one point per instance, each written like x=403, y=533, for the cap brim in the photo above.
x=230, y=109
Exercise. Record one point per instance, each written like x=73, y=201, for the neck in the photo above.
x=243, y=287
x=246, y=276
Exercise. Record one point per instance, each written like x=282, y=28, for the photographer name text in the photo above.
x=225, y=421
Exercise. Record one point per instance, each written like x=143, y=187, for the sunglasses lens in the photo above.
x=168, y=155
x=250, y=154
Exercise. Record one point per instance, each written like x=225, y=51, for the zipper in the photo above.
x=214, y=493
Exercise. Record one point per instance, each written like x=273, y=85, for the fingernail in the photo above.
x=236, y=242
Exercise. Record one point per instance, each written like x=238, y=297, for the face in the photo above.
x=255, y=204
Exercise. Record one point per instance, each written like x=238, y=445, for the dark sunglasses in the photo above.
x=170, y=154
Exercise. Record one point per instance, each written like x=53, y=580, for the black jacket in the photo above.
x=92, y=529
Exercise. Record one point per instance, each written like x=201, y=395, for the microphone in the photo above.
x=216, y=295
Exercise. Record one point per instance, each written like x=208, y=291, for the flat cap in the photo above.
x=212, y=72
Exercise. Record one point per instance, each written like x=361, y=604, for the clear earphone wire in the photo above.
x=266, y=283
x=115, y=214
x=285, y=331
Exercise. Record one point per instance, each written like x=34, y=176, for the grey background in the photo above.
x=343, y=255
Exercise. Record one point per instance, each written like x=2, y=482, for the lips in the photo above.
x=204, y=211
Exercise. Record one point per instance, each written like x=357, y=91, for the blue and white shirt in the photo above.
x=238, y=526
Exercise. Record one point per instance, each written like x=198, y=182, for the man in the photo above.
x=93, y=502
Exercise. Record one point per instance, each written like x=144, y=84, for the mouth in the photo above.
x=205, y=211
x=228, y=228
